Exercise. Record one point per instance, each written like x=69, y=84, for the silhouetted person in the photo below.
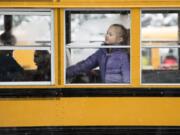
x=43, y=63
x=9, y=68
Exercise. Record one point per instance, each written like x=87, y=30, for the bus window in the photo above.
x=26, y=47
x=86, y=42
x=160, y=46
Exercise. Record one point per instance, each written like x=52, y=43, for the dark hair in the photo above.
x=124, y=33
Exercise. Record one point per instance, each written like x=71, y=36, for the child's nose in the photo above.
x=106, y=36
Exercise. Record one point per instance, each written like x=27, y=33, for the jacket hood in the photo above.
x=105, y=50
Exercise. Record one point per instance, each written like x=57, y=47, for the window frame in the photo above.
x=31, y=12
x=156, y=10
x=94, y=11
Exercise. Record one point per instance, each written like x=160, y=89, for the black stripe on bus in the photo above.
x=89, y=92
x=92, y=130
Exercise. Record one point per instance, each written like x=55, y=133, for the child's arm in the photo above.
x=125, y=69
x=83, y=66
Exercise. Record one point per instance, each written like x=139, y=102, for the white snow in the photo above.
x=37, y=29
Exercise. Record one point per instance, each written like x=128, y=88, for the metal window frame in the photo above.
x=95, y=46
x=31, y=12
x=153, y=11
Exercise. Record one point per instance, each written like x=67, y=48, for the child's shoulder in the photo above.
x=122, y=52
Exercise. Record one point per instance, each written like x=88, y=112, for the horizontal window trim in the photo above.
x=29, y=12
x=43, y=41
x=97, y=10
x=159, y=84
x=161, y=46
x=91, y=46
x=98, y=84
x=159, y=40
x=25, y=48
x=159, y=10
x=24, y=83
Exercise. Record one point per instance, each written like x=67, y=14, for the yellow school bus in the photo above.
x=40, y=39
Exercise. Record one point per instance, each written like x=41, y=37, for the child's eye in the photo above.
x=109, y=34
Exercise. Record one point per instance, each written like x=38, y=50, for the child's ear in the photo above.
x=120, y=40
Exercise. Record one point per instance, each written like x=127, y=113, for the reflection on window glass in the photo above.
x=25, y=65
x=146, y=58
x=97, y=46
x=160, y=47
x=27, y=29
x=93, y=27
x=159, y=26
x=163, y=58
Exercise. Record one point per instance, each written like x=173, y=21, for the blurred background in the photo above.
x=29, y=30
x=159, y=29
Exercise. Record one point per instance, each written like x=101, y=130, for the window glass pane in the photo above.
x=160, y=58
x=26, y=50
x=97, y=46
x=93, y=27
x=159, y=28
x=89, y=25
x=86, y=71
x=160, y=46
x=74, y=57
x=25, y=65
x=77, y=55
x=31, y=30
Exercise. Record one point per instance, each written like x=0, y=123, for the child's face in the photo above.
x=113, y=36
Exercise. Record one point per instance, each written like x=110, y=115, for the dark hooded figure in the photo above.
x=43, y=62
x=10, y=70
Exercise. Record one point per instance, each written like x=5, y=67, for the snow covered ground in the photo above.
x=37, y=28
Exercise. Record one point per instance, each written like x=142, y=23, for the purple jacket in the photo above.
x=114, y=66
